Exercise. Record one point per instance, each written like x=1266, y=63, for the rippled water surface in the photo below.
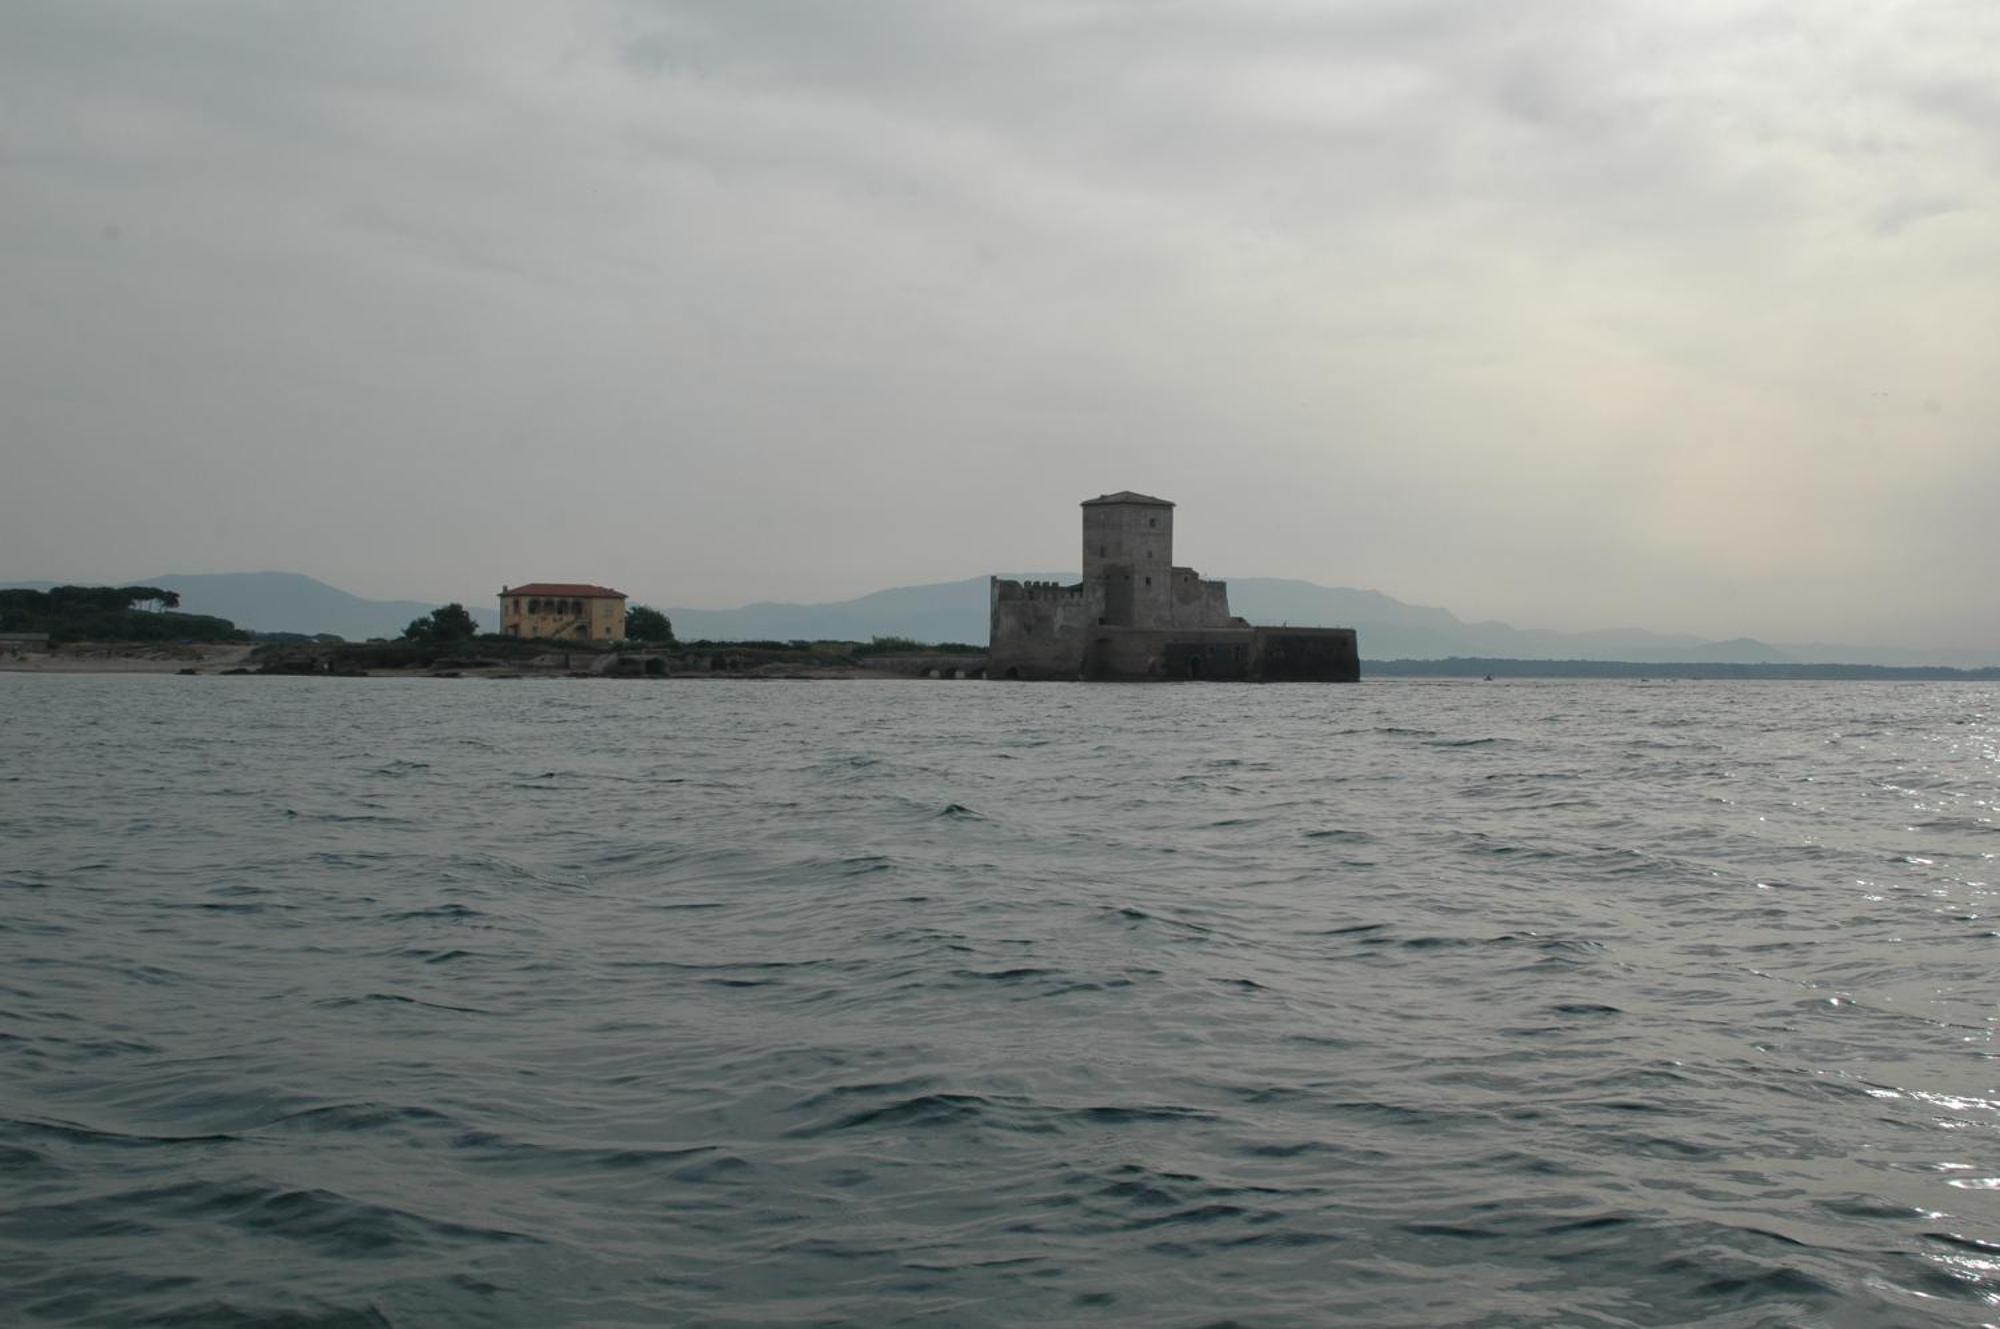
x=353, y=1002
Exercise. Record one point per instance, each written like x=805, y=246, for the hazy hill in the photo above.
x=293, y=602
x=939, y=611
x=1389, y=628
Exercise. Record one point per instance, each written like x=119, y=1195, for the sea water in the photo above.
x=369, y=1002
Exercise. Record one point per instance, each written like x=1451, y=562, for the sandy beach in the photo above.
x=136, y=658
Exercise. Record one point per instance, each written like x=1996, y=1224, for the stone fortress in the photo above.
x=1137, y=616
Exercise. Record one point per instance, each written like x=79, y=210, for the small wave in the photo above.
x=1134, y=914
x=78, y=1133
x=488, y=1149
x=347, y=818
x=341, y=1118
x=396, y=999
x=325, y=1220
x=1959, y=1241
x=922, y=1111
x=224, y=1313
x=431, y=956
x=453, y=911
x=1011, y=1114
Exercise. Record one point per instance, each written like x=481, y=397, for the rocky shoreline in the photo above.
x=128, y=658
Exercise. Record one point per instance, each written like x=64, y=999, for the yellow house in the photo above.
x=565, y=610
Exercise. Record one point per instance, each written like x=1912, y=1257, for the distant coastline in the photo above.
x=1390, y=629
x=771, y=660
x=1721, y=670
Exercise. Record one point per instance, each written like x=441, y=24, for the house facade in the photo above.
x=562, y=611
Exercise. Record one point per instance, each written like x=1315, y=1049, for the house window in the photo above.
x=1149, y=581
x=1101, y=551
x=1152, y=521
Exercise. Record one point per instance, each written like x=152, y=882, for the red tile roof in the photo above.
x=581, y=590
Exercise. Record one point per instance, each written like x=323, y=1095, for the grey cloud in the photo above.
x=1567, y=312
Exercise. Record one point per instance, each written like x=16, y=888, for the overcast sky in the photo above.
x=1578, y=313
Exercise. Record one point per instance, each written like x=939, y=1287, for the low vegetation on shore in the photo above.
x=494, y=654
x=136, y=629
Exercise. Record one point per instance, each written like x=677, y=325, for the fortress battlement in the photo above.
x=1038, y=590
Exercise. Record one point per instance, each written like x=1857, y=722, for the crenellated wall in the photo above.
x=1039, y=628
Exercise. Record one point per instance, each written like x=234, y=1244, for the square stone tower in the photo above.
x=1128, y=545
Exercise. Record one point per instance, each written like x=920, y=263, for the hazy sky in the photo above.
x=1580, y=313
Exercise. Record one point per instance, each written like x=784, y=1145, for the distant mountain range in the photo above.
x=957, y=611
x=1389, y=627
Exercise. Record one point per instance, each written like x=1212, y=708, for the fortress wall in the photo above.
x=1131, y=653
x=1039, y=628
x=1270, y=655
x=1318, y=655
x=1201, y=604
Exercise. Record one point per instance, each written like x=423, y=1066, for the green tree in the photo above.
x=644, y=623
x=446, y=624
x=109, y=613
